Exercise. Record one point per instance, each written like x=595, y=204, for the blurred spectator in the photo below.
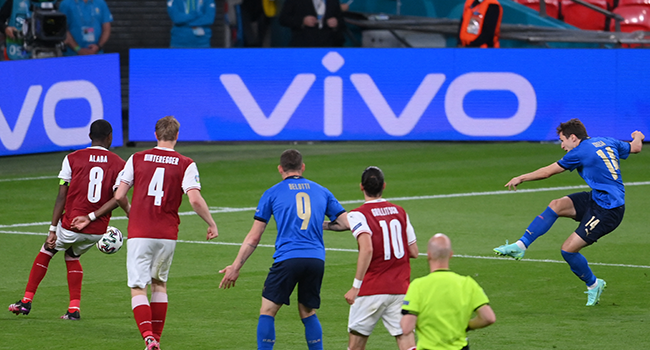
x=192, y=21
x=11, y=13
x=313, y=23
x=255, y=22
x=480, y=24
x=2, y=32
x=89, y=26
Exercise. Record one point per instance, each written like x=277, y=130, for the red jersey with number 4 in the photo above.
x=159, y=177
x=92, y=174
x=388, y=224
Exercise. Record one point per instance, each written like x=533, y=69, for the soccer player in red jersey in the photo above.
x=386, y=241
x=159, y=177
x=87, y=180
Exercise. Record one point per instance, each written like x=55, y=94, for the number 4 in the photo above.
x=156, y=186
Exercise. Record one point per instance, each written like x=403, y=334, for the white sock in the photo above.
x=593, y=286
x=521, y=245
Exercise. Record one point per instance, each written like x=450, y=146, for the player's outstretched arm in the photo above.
x=119, y=199
x=201, y=208
x=231, y=272
x=80, y=222
x=637, y=142
x=539, y=174
x=340, y=224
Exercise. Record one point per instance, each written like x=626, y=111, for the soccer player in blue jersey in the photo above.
x=299, y=207
x=599, y=211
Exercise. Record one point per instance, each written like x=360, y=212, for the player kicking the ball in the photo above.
x=87, y=180
x=599, y=211
x=386, y=241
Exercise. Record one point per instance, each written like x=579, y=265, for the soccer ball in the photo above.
x=111, y=241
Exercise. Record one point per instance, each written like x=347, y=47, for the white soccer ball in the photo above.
x=111, y=241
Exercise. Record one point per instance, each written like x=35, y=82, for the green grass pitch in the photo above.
x=455, y=188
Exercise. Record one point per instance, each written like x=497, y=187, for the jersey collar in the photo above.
x=164, y=148
x=97, y=147
x=379, y=200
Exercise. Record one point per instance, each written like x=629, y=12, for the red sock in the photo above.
x=142, y=314
x=75, y=276
x=39, y=269
x=158, y=313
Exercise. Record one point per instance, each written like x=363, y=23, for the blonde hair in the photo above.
x=167, y=128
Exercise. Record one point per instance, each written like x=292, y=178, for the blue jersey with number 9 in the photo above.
x=299, y=207
x=597, y=161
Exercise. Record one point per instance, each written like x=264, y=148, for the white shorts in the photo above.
x=367, y=310
x=79, y=242
x=148, y=258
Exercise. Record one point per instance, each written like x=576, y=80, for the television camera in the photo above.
x=44, y=31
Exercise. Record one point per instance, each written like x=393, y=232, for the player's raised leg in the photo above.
x=538, y=227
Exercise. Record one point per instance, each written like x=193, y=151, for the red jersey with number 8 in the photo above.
x=92, y=173
x=159, y=177
x=388, y=224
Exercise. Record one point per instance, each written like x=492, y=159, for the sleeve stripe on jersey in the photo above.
x=478, y=307
x=193, y=188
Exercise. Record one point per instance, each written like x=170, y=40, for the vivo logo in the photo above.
x=394, y=123
x=65, y=90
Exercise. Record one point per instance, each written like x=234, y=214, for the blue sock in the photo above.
x=265, y=332
x=540, y=225
x=580, y=267
x=313, y=332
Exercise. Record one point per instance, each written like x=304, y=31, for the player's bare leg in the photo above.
x=406, y=341
x=357, y=341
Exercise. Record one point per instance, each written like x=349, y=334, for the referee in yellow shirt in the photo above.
x=440, y=305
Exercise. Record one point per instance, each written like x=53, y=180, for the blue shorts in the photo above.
x=595, y=221
x=284, y=275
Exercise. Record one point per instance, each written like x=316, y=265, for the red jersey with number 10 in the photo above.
x=160, y=177
x=389, y=271
x=92, y=173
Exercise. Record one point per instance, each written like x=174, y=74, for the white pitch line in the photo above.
x=28, y=178
x=218, y=210
x=354, y=251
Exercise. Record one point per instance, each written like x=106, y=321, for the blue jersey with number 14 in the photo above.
x=597, y=161
x=299, y=207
